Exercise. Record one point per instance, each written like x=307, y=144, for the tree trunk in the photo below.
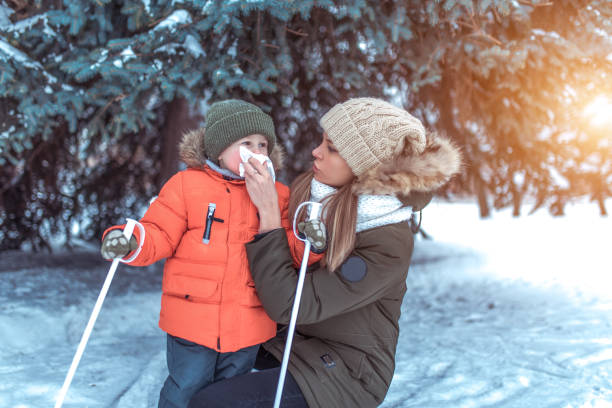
x=516, y=200
x=178, y=120
x=481, y=194
x=602, y=206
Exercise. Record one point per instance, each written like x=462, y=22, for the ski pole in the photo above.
x=127, y=232
x=315, y=209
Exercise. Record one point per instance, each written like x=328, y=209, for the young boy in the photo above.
x=200, y=222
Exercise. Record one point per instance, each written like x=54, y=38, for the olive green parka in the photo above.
x=343, y=352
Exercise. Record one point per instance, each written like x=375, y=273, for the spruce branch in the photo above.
x=298, y=33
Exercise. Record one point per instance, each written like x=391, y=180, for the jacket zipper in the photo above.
x=229, y=201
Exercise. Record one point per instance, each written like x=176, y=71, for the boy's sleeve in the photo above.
x=165, y=223
x=296, y=246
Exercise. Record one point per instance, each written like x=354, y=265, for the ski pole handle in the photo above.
x=127, y=231
x=315, y=210
x=313, y=214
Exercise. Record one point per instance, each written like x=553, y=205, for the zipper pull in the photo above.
x=209, y=219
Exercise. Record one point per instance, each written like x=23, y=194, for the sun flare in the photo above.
x=599, y=112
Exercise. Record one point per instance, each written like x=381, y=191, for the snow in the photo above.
x=169, y=49
x=128, y=53
x=7, y=134
x=544, y=33
x=193, y=46
x=17, y=55
x=27, y=24
x=228, y=2
x=103, y=56
x=5, y=13
x=147, y=5
x=177, y=17
x=7, y=25
x=7, y=50
x=501, y=312
x=559, y=179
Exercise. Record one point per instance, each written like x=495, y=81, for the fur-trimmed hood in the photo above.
x=410, y=172
x=192, y=152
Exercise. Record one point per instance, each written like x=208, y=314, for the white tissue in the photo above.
x=246, y=154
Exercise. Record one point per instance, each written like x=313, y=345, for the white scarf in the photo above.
x=372, y=210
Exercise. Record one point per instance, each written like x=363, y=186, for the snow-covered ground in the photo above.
x=499, y=313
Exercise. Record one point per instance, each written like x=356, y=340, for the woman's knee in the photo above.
x=251, y=390
x=213, y=396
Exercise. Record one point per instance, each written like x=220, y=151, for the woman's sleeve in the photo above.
x=165, y=223
x=369, y=272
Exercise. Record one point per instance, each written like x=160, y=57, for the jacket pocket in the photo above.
x=370, y=382
x=309, y=363
x=191, y=287
x=355, y=362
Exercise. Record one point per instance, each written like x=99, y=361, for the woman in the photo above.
x=375, y=166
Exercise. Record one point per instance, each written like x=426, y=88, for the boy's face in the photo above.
x=230, y=158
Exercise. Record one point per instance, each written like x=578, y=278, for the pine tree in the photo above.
x=512, y=91
x=94, y=94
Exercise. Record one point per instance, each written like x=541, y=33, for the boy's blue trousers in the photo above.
x=192, y=367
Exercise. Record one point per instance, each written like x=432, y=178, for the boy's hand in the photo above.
x=116, y=245
x=314, y=231
x=262, y=191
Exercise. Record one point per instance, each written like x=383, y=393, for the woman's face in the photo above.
x=329, y=167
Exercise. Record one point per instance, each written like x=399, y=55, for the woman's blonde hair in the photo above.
x=339, y=216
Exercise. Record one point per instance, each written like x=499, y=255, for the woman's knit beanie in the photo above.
x=230, y=120
x=368, y=132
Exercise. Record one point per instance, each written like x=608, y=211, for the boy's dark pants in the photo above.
x=192, y=367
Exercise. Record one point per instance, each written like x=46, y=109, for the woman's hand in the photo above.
x=263, y=194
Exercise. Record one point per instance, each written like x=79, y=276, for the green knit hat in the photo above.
x=231, y=120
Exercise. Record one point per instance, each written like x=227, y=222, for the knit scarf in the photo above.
x=372, y=210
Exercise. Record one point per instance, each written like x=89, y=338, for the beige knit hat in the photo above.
x=369, y=131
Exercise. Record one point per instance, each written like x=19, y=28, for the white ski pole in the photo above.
x=127, y=231
x=315, y=209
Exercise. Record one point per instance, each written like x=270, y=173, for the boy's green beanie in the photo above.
x=230, y=120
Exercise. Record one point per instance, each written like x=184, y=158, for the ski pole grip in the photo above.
x=313, y=214
x=128, y=231
x=315, y=211
x=129, y=228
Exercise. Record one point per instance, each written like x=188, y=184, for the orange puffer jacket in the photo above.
x=208, y=294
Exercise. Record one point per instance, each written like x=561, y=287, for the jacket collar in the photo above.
x=223, y=172
x=222, y=175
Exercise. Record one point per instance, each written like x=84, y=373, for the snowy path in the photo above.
x=498, y=314
x=44, y=311
x=488, y=343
